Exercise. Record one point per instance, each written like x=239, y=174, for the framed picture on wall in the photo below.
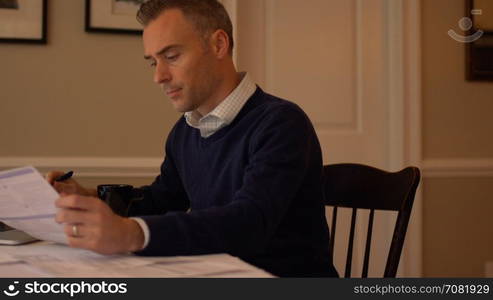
x=23, y=21
x=479, y=40
x=113, y=16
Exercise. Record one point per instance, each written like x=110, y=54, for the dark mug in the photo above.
x=118, y=197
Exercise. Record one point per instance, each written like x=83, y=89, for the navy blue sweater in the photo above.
x=254, y=189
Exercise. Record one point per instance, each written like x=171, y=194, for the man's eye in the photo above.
x=152, y=64
x=173, y=57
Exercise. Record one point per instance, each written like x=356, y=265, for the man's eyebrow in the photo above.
x=164, y=50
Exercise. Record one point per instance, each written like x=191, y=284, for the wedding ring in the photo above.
x=75, y=231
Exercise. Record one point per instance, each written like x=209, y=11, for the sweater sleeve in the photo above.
x=280, y=152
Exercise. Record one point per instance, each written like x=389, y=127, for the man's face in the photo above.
x=184, y=65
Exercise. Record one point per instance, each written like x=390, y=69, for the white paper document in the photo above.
x=5, y=258
x=27, y=203
x=62, y=261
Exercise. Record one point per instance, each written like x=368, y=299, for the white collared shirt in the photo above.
x=209, y=124
x=225, y=112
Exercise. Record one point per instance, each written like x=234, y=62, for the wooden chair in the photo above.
x=359, y=186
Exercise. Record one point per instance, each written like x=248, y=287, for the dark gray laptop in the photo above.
x=10, y=236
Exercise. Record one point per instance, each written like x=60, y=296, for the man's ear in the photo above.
x=220, y=43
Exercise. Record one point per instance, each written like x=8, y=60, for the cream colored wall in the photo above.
x=250, y=46
x=457, y=124
x=82, y=94
x=458, y=226
x=457, y=114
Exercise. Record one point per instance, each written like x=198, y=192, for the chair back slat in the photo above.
x=366, y=260
x=359, y=186
x=349, y=257
x=333, y=231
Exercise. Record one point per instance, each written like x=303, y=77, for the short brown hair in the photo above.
x=207, y=15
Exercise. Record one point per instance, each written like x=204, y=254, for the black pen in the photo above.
x=65, y=176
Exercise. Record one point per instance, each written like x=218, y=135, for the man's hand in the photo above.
x=69, y=186
x=98, y=228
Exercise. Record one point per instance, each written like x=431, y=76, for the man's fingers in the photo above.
x=77, y=242
x=89, y=223
x=79, y=231
x=66, y=188
x=72, y=216
x=78, y=202
x=84, y=238
x=52, y=175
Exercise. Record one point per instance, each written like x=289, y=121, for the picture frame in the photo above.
x=479, y=52
x=23, y=21
x=112, y=16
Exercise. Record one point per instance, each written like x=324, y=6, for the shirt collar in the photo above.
x=226, y=111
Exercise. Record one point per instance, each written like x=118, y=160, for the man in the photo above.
x=246, y=165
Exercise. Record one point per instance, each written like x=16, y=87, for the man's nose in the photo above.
x=162, y=74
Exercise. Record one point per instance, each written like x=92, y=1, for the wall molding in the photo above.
x=404, y=96
x=355, y=124
x=90, y=166
x=149, y=166
x=457, y=167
